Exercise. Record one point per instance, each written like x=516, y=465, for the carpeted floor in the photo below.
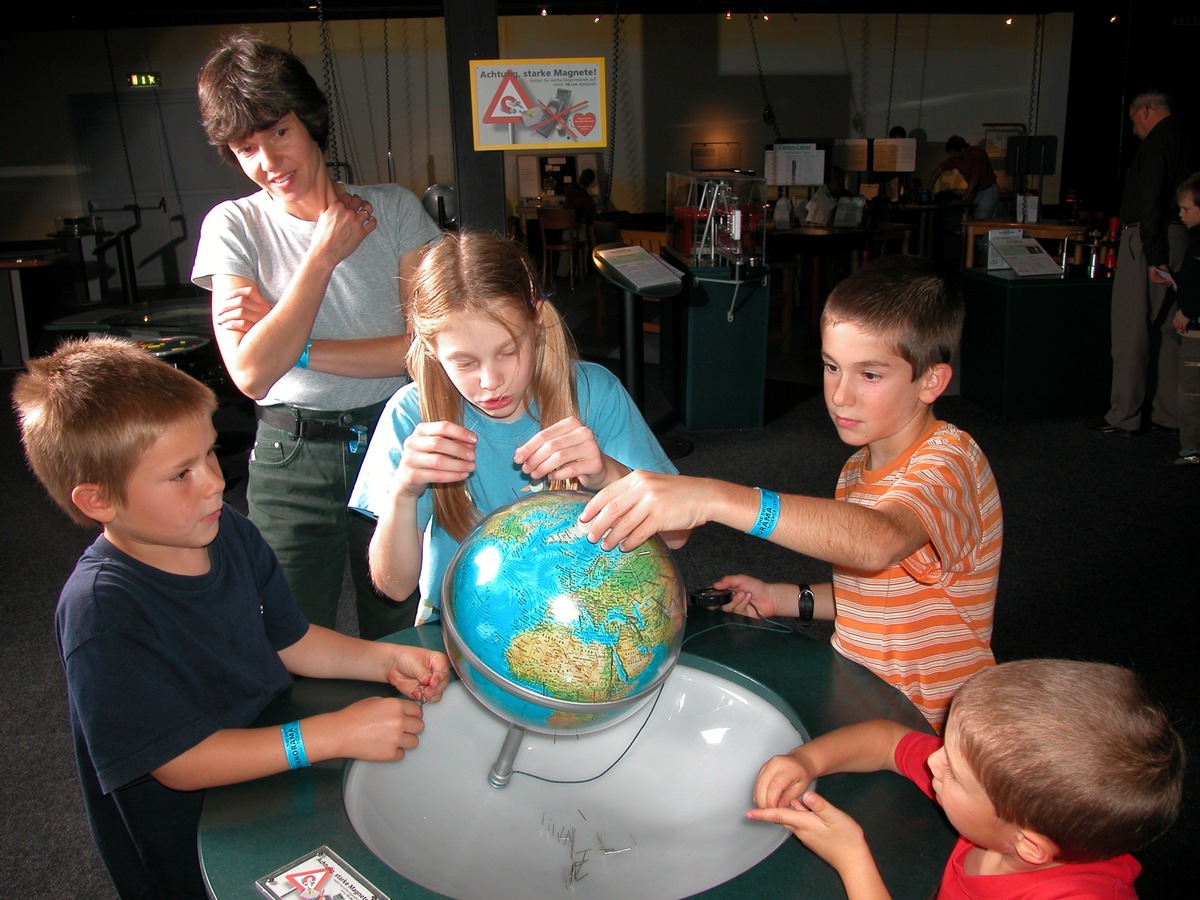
x=1099, y=563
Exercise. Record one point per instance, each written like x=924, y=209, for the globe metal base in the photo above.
x=502, y=768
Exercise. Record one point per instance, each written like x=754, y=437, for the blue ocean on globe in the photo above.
x=552, y=632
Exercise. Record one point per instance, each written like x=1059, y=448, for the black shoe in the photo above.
x=1102, y=426
x=1167, y=428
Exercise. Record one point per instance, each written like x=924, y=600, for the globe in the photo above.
x=550, y=631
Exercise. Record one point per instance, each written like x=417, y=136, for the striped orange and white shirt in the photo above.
x=925, y=624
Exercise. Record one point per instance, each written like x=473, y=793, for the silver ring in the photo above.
x=361, y=209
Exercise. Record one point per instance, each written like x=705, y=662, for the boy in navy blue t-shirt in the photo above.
x=177, y=626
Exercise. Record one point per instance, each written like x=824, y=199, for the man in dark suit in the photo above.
x=1152, y=239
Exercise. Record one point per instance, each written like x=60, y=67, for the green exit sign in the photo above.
x=143, y=79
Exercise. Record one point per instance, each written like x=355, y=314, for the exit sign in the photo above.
x=143, y=79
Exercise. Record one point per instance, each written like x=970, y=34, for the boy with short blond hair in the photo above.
x=177, y=627
x=915, y=529
x=1052, y=771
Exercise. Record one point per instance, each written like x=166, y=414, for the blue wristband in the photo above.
x=302, y=362
x=293, y=745
x=768, y=514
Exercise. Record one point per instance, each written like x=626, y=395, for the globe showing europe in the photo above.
x=552, y=632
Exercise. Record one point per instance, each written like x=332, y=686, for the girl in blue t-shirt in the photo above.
x=499, y=404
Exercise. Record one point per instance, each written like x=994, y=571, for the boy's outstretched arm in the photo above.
x=782, y=795
x=643, y=503
x=376, y=728
x=323, y=653
x=863, y=747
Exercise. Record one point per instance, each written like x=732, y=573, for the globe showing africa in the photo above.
x=552, y=632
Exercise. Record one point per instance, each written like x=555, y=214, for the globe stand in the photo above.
x=502, y=768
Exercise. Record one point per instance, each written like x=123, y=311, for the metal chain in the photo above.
x=614, y=83
x=120, y=118
x=768, y=110
x=387, y=98
x=1035, y=80
x=865, y=81
x=856, y=114
x=892, y=80
x=352, y=161
x=428, y=127
x=327, y=70
x=362, y=55
x=924, y=69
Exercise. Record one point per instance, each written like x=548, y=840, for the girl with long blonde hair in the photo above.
x=500, y=404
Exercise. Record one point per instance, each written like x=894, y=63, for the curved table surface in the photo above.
x=248, y=830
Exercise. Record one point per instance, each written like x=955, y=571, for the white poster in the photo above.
x=539, y=104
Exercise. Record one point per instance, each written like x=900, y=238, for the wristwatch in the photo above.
x=807, y=604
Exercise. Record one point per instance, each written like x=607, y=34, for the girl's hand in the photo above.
x=435, y=453
x=567, y=449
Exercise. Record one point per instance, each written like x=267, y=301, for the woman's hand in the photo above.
x=343, y=225
x=240, y=309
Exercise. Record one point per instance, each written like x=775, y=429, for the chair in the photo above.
x=652, y=241
x=558, y=234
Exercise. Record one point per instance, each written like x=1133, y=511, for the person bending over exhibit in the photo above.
x=500, y=404
x=1052, y=772
x=972, y=163
x=177, y=626
x=307, y=277
x=915, y=530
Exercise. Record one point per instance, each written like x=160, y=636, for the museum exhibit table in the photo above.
x=18, y=328
x=1036, y=346
x=249, y=830
x=1071, y=232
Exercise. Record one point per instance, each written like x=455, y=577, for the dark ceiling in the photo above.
x=75, y=15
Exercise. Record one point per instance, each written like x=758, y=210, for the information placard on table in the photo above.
x=1026, y=256
x=639, y=270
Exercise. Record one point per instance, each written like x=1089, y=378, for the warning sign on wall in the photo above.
x=538, y=103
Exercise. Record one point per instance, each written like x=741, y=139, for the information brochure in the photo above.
x=639, y=270
x=1026, y=257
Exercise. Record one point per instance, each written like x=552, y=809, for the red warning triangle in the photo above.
x=311, y=881
x=510, y=103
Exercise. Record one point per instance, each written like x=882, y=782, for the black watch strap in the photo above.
x=807, y=605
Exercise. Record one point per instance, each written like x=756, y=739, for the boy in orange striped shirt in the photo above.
x=915, y=530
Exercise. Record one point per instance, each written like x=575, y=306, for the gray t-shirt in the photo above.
x=253, y=238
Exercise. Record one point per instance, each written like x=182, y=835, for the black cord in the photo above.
x=776, y=626
x=632, y=741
